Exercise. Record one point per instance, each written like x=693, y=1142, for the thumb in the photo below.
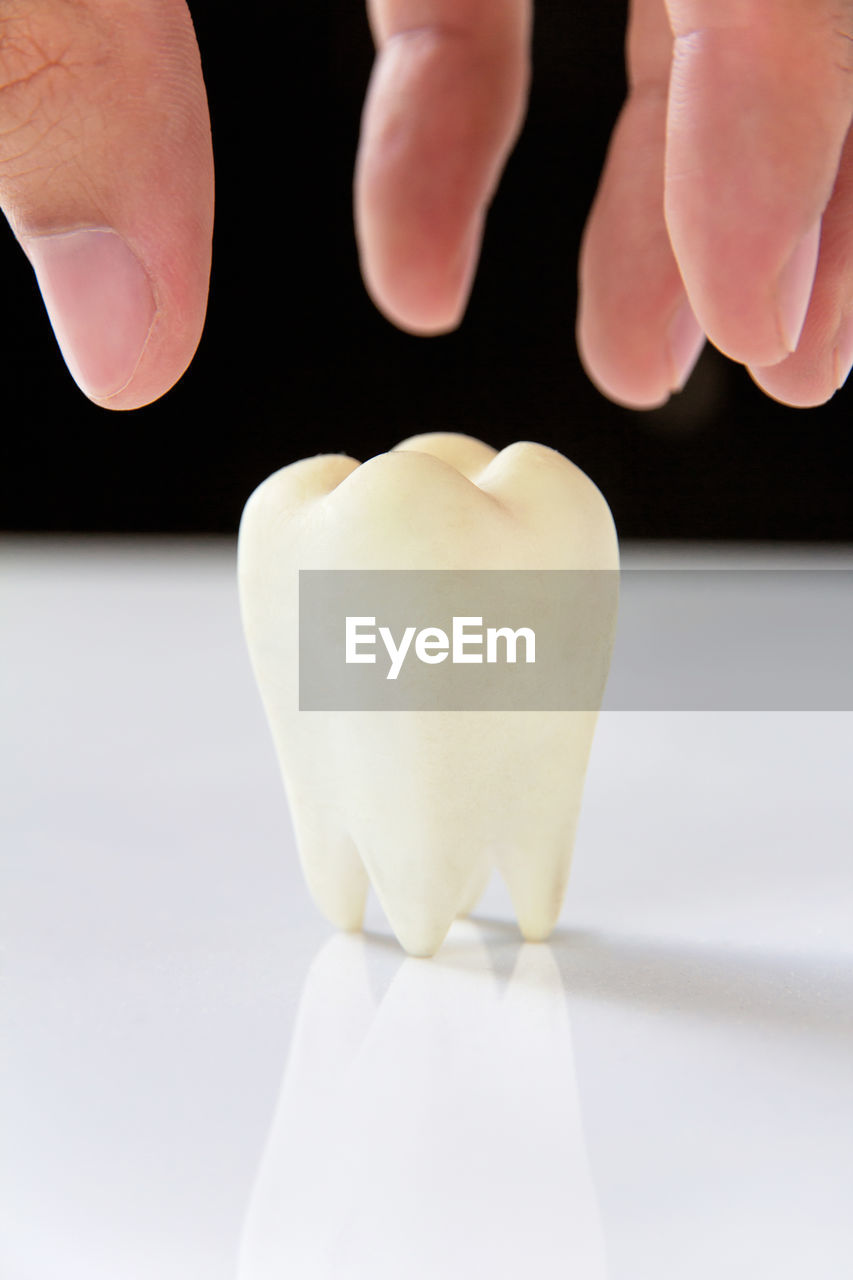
x=106, y=178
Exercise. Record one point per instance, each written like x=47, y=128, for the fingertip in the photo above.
x=422, y=291
x=813, y=374
x=622, y=388
x=792, y=389
x=100, y=302
x=108, y=316
x=653, y=361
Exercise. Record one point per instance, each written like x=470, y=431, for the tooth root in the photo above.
x=419, y=876
x=535, y=853
x=535, y=867
x=333, y=870
x=536, y=875
x=419, y=913
x=420, y=810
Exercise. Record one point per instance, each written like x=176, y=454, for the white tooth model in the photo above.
x=424, y=803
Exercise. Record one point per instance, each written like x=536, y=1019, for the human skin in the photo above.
x=725, y=207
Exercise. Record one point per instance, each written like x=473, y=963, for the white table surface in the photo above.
x=202, y=1081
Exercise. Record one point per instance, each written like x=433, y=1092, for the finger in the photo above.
x=637, y=335
x=822, y=361
x=106, y=178
x=445, y=105
x=760, y=102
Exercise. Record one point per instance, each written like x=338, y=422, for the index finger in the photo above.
x=445, y=105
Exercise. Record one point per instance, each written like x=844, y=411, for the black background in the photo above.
x=295, y=360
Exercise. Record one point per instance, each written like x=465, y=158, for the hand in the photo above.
x=725, y=207
x=106, y=177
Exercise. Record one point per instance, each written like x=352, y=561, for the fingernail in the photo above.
x=100, y=303
x=843, y=353
x=685, y=340
x=794, y=287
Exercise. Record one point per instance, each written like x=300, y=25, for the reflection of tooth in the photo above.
x=424, y=802
x=439, y=1134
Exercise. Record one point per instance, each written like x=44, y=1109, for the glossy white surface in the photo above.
x=201, y=1081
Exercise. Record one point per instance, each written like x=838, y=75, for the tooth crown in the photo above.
x=425, y=803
